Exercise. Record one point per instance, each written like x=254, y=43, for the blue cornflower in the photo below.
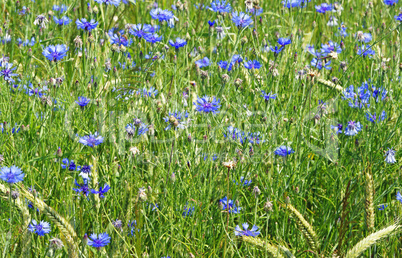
x=101, y=191
x=253, y=232
x=207, y=104
x=203, y=62
x=268, y=96
x=284, y=41
x=211, y=23
x=252, y=64
x=144, y=92
x=117, y=38
x=86, y=25
x=366, y=51
x=225, y=65
x=11, y=174
x=353, y=128
x=142, y=129
x=40, y=228
x=324, y=7
x=188, y=211
x=382, y=207
x=390, y=2
x=91, y=140
x=283, y=151
x=319, y=64
x=140, y=30
x=62, y=21
x=236, y=59
x=229, y=205
x=373, y=118
x=398, y=17
x=161, y=15
x=99, y=241
x=242, y=20
x=60, y=8
x=295, y=3
x=364, y=37
x=152, y=38
x=330, y=47
x=55, y=53
x=256, y=12
x=178, y=43
x=82, y=101
x=390, y=156
x=85, y=172
x=338, y=128
x=377, y=92
x=6, y=71
x=84, y=188
x=109, y=2
x=220, y=6
x=399, y=197
x=276, y=50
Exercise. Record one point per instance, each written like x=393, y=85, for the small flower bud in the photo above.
x=268, y=206
x=15, y=194
x=59, y=153
x=256, y=191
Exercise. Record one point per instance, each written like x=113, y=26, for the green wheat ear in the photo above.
x=270, y=248
x=369, y=203
x=370, y=240
x=304, y=227
x=330, y=84
x=68, y=232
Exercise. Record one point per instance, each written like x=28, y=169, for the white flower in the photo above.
x=134, y=150
x=41, y=21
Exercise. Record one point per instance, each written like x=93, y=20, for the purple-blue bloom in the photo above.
x=373, y=118
x=161, y=15
x=398, y=17
x=40, y=228
x=353, y=128
x=366, y=51
x=284, y=41
x=390, y=2
x=7, y=71
x=55, y=53
x=283, y=151
x=101, y=191
x=203, y=62
x=242, y=20
x=99, y=241
x=152, y=38
x=220, y=6
x=324, y=7
x=109, y=2
x=178, y=43
x=252, y=64
x=84, y=188
x=268, y=96
x=390, y=156
x=338, y=128
x=82, y=101
x=319, y=64
x=117, y=38
x=295, y=3
x=91, y=140
x=62, y=21
x=11, y=174
x=399, y=197
x=253, y=232
x=86, y=25
x=276, y=50
x=229, y=205
x=140, y=30
x=207, y=105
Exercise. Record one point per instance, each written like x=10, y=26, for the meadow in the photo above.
x=200, y=128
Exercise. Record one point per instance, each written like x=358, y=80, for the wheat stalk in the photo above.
x=344, y=218
x=305, y=227
x=270, y=248
x=330, y=84
x=369, y=206
x=65, y=228
x=364, y=244
x=26, y=217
